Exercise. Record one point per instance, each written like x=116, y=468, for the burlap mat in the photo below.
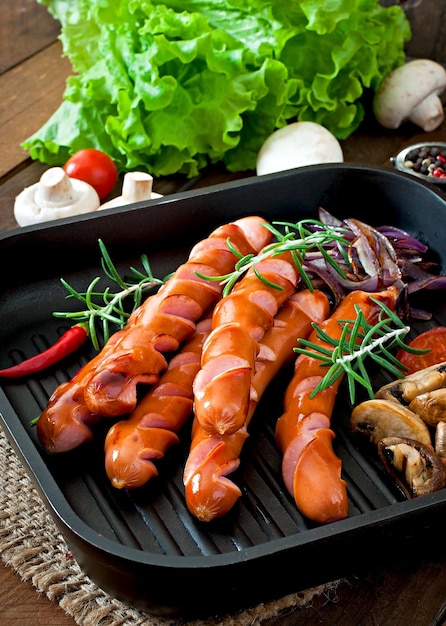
x=31, y=544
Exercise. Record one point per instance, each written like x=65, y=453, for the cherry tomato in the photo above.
x=95, y=168
x=433, y=340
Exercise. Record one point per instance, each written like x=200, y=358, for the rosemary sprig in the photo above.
x=107, y=307
x=299, y=239
x=359, y=340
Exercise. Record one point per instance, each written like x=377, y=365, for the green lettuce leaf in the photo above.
x=170, y=87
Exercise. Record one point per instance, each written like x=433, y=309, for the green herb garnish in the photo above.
x=298, y=239
x=359, y=340
x=107, y=307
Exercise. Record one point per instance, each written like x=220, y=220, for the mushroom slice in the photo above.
x=417, y=469
x=430, y=406
x=440, y=439
x=380, y=418
x=407, y=388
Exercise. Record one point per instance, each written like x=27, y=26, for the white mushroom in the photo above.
x=296, y=145
x=384, y=418
x=417, y=469
x=56, y=195
x=411, y=92
x=406, y=389
x=430, y=406
x=440, y=439
x=137, y=186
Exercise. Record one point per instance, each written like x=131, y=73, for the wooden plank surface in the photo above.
x=25, y=28
x=428, y=19
x=31, y=92
x=21, y=605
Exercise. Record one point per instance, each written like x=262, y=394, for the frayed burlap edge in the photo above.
x=31, y=544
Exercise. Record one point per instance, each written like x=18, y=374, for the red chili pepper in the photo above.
x=70, y=341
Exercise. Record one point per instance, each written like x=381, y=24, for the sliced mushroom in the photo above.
x=406, y=389
x=430, y=406
x=440, y=439
x=417, y=469
x=380, y=418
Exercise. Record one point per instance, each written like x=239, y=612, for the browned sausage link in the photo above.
x=132, y=445
x=222, y=387
x=209, y=492
x=311, y=470
x=66, y=422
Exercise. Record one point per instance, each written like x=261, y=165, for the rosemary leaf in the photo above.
x=385, y=364
x=234, y=250
x=354, y=334
x=362, y=370
x=363, y=378
x=351, y=389
x=408, y=348
x=300, y=268
x=390, y=357
x=109, y=267
x=328, y=380
x=332, y=262
x=310, y=353
x=266, y=281
x=93, y=334
x=321, y=349
x=324, y=336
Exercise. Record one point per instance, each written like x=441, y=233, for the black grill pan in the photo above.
x=143, y=546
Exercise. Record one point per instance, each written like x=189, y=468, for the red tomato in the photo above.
x=433, y=340
x=95, y=168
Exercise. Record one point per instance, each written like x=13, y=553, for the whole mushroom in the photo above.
x=55, y=196
x=411, y=92
x=296, y=145
x=137, y=186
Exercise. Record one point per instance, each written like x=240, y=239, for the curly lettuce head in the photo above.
x=170, y=87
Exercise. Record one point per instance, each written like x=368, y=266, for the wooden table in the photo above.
x=32, y=79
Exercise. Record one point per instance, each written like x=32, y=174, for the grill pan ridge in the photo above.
x=143, y=546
